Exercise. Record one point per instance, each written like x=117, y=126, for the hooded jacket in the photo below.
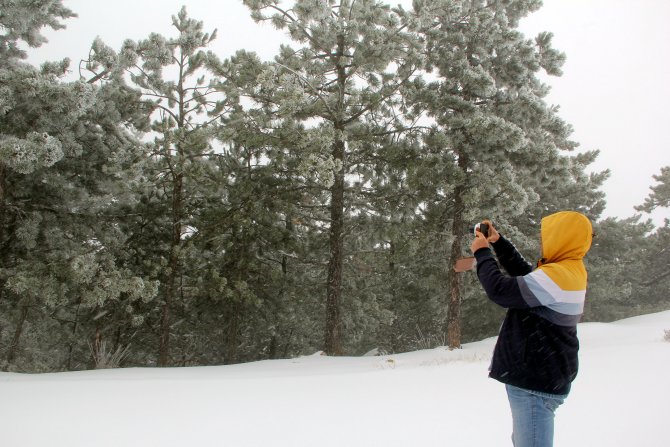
x=537, y=348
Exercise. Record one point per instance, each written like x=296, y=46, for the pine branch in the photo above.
x=314, y=89
x=295, y=21
x=657, y=278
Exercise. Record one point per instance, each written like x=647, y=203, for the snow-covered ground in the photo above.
x=425, y=398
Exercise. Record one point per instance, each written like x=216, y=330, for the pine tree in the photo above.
x=186, y=111
x=628, y=268
x=64, y=149
x=656, y=273
x=616, y=263
x=499, y=141
x=353, y=59
x=660, y=193
x=23, y=22
x=654, y=280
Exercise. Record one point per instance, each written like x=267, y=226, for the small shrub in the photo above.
x=104, y=358
x=667, y=335
x=428, y=342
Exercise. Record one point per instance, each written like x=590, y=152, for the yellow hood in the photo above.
x=566, y=238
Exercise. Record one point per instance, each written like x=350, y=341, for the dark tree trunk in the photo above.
x=173, y=270
x=176, y=164
x=96, y=357
x=456, y=279
x=14, y=347
x=2, y=204
x=333, y=344
x=273, y=350
x=75, y=326
x=243, y=274
x=3, y=224
x=233, y=329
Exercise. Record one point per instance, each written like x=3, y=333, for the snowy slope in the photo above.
x=425, y=398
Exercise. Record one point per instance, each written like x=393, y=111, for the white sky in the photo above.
x=614, y=90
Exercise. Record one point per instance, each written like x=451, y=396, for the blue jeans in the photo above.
x=533, y=416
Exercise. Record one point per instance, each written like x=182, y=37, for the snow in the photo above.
x=425, y=398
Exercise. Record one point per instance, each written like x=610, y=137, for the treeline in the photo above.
x=174, y=208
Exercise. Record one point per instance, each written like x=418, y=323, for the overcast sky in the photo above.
x=615, y=90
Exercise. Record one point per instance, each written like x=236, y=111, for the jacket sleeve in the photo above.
x=510, y=259
x=501, y=289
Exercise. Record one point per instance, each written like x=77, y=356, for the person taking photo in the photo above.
x=536, y=355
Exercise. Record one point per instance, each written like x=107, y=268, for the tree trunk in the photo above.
x=173, y=270
x=273, y=350
x=456, y=279
x=233, y=329
x=96, y=357
x=3, y=223
x=232, y=335
x=177, y=171
x=14, y=347
x=75, y=325
x=333, y=344
x=2, y=226
x=2, y=204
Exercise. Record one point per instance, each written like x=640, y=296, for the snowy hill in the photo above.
x=425, y=398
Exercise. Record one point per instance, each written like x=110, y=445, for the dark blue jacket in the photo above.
x=537, y=346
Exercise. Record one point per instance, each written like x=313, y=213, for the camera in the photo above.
x=482, y=227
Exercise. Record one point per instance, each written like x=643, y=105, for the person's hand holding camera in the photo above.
x=485, y=232
x=493, y=233
x=479, y=242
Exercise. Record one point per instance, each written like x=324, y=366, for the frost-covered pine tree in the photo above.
x=174, y=79
x=64, y=151
x=352, y=57
x=618, y=264
x=628, y=266
x=656, y=271
x=660, y=193
x=497, y=142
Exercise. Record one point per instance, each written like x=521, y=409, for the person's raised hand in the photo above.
x=479, y=242
x=493, y=233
